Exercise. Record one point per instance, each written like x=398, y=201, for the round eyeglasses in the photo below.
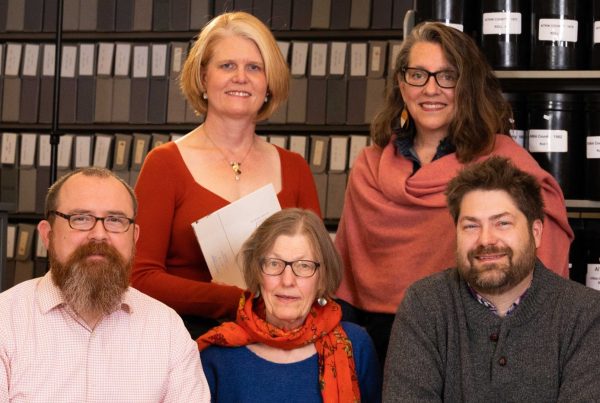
x=301, y=268
x=420, y=77
x=85, y=222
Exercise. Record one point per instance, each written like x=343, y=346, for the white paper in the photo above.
x=140, y=61
x=284, y=48
x=9, y=148
x=13, y=59
x=106, y=51
x=222, y=233
x=11, y=237
x=122, y=57
x=86, y=59
x=49, y=60
x=30, y=62
x=44, y=151
x=299, y=57
x=101, y=150
x=69, y=59
x=357, y=143
x=63, y=159
x=83, y=151
x=338, y=157
x=177, y=59
x=358, y=59
x=159, y=60
x=28, y=143
x=337, y=61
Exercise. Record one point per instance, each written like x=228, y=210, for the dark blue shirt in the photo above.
x=236, y=374
x=405, y=147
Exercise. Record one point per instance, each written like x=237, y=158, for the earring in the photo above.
x=404, y=118
x=267, y=97
x=257, y=295
x=321, y=301
x=204, y=95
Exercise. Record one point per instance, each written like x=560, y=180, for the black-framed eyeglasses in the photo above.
x=272, y=266
x=420, y=77
x=85, y=222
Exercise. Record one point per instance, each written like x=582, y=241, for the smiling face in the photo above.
x=288, y=298
x=431, y=107
x=234, y=78
x=495, y=244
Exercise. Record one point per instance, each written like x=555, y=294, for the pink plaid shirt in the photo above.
x=139, y=353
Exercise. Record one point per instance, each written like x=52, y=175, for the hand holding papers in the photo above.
x=222, y=233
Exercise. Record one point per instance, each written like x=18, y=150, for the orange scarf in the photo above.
x=337, y=373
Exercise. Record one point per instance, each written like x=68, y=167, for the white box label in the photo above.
x=518, y=136
x=592, y=279
x=502, y=23
x=554, y=29
x=548, y=141
x=596, y=31
x=593, y=147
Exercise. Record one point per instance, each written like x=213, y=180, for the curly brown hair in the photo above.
x=482, y=110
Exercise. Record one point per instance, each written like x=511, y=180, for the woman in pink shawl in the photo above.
x=447, y=110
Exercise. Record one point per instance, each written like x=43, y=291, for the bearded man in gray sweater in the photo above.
x=500, y=327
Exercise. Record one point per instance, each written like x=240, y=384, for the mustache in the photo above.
x=489, y=250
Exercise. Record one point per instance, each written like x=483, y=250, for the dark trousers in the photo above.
x=378, y=325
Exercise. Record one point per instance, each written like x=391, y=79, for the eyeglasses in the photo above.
x=85, y=222
x=301, y=268
x=420, y=77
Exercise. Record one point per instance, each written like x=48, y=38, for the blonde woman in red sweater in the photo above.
x=446, y=110
x=236, y=76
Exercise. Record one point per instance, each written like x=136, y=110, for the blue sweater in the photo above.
x=238, y=375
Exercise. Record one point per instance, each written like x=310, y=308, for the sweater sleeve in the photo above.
x=413, y=366
x=579, y=379
x=157, y=192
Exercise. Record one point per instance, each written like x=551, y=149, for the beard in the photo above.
x=91, y=286
x=495, y=278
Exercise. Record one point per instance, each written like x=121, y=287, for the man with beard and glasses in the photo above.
x=80, y=333
x=500, y=327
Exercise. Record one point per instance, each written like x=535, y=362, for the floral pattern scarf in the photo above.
x=337, y=374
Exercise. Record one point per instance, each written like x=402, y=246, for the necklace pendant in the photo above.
x=235, y=166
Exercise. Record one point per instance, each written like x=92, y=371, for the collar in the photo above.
x=49, y=296
x=489, y=304
x=405, y=142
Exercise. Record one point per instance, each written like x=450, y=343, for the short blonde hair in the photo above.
x=290, y=222
x=247, y=26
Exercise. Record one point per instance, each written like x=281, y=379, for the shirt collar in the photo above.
x=49, y=296
x=405, y=142
x=488, y=304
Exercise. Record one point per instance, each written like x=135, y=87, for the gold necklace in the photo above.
x=235, y=165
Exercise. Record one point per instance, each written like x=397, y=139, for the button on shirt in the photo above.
x=139, y=353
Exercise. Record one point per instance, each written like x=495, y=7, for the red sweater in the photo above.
x=169, y=264
x=396, y=228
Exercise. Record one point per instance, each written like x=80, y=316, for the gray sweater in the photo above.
x=446, y=346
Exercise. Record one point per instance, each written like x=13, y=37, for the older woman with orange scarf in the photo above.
x=288, y=341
